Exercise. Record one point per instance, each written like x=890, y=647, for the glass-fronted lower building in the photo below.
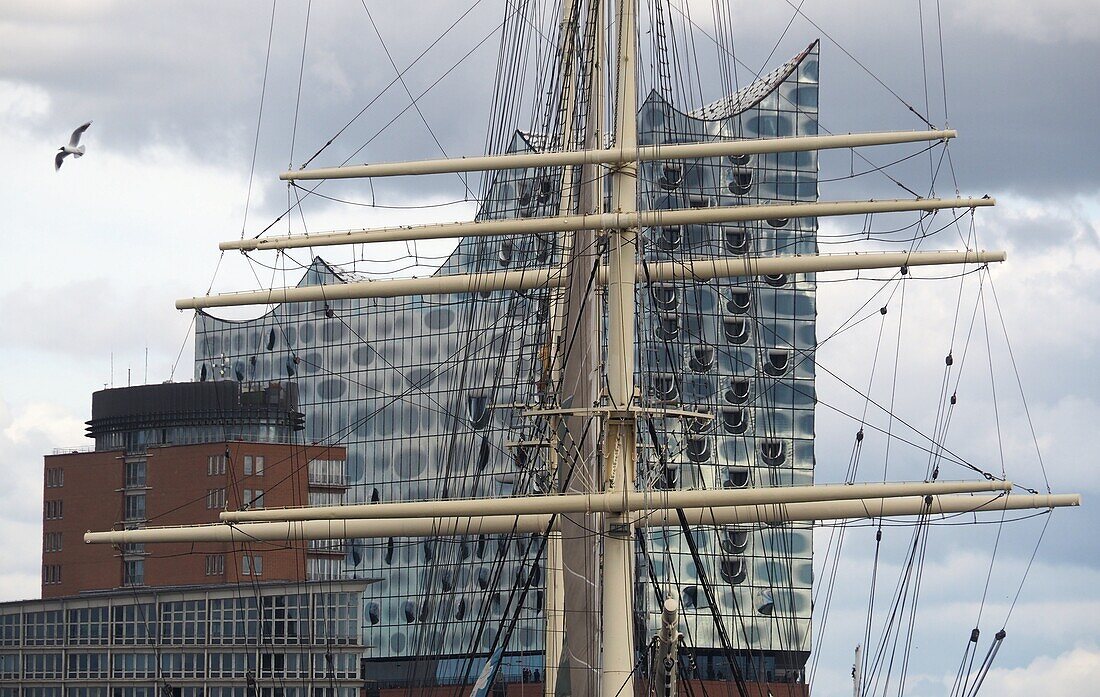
x=248, y=640
x=429, y=393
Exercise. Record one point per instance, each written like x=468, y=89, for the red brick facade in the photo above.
x=88, y=491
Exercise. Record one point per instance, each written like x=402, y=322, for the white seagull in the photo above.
x=73, y=148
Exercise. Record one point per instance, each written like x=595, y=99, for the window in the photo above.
x=735, y=421
x=738, y=391
x=87, y=665
x=230, y=665
x=182, y=665
x=702, y=359
x=734, y=571
x=133, y=572
x=669, y=238
x=215, y=498
x=42, y=666
x=53, y=510
x=253, y=498
x=336, y=617
x=698, y=449
x=737, y=240
x=281, y=666
x=215, y=465
x=133, y=665
x=286, y=618
x=183, y=621
x=43, y=628
x=248, y=464
x=259, y=465
x=88, y=625
x=135, y=474
x=51, y=574
x=739, y=302
x=9, y=629
x=252, y=565
x=234, y=620
x=740, y=182
x=736, y=331
x=777, y=363
x=135, y=507
x=55, y=477
x=328, y=472
x=9, y=667
x=773, y=452
x=736, y=477
x=215, y=564
x=134, y=624
x=51, y=542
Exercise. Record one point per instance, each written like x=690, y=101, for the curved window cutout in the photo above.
x=447, y=580
x=424, y=612
x=669, y=238
x=524, y=191
x=773, y=452
x=478, y=411
x=735, y=541
x=388, y=557
x=778, y=222
x=740, y=182
x=483, y=455
x=702, y=359
x=667, y=479
x=737, y=240
x=698, y=450
x=429, y=550
x=739, y=302
x=764, y=603
x=735, y=421
x=483, y=578
x=738, y=391
x=779, y=361
x=734, y=570
x=693, y=598
x=502, y=547
x=464, y=549
x=672, y=176
x=699, y=424
x=736, y=331
x=460, y=610
x=740, y=160
x=736, y=478
x=544, y=250
x=480, y=551
x=410, y=612
x=375, y=497
x=373, y=613
x=546, y=188
x=668, y=328
x=776, y=280
x=504, y=254
x=666, y=388
x=271, y=339
x=665, y=298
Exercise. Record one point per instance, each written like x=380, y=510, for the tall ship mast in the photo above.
x=589, y=436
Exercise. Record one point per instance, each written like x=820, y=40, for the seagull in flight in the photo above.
x=73, y=148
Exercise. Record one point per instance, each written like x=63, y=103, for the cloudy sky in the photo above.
x=95, y=255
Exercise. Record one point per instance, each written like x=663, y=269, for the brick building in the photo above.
x=180, y=453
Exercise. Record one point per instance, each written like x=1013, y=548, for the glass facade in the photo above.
x=287, y=638
x=428, y=395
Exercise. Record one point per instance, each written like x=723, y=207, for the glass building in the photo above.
x=428, y=394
